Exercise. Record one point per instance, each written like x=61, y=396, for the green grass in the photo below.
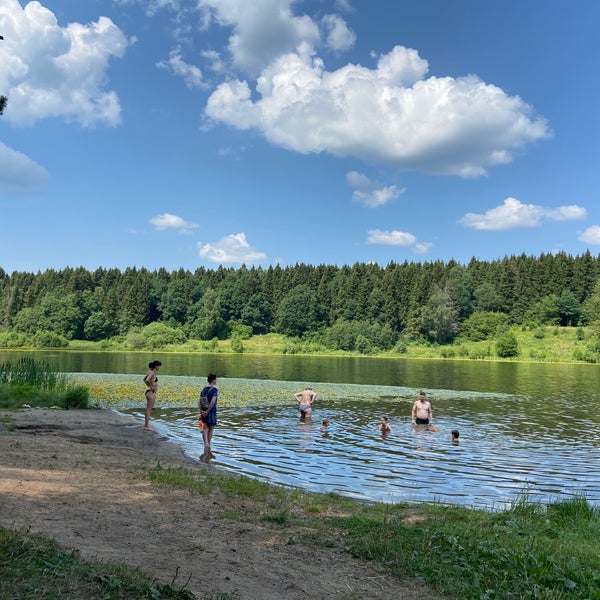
x=29, y=380
x=539, y=344
x=35, y=567
x=527, y=551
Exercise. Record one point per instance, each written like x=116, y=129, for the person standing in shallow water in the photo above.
x=208, y=415
x=151, y=381
x=422, y=413
x=305, y=401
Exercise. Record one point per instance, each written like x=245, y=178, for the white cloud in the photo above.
x=175, y=65
x=169, y=221
x=339, y=36
x=262, y=30
x=215, y=60
x=567, y=213
x=390, y=238
x=231, y=249
x=376, y=198
x=370, y=193
x=389, y=114
x=358, y=180
x=591, y=235
x=397, y=238
x=18, y=173
x=152, y=6
x=52, y=71
x=514, y=214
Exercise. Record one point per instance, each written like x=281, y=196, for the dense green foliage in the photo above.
x=365, y=308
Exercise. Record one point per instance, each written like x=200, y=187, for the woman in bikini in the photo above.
x=151, y=381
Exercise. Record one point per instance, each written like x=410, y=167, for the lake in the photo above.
x=525, y=429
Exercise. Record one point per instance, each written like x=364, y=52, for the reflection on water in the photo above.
x=508, y=446
x=524, y=427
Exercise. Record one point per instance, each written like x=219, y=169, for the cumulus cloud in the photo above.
x=339, y=36
x=514, y=214
x=390, y=114
x=169, y=221
x=231, y=249
x=51, y=71
x=370, y=193
x=18, y=173
x=397, y=238
x=191, y=75
x=591, y=235
x=262, y=30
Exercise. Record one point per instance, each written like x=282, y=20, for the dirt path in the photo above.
x=70, y=475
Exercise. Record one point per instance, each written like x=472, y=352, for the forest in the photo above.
x=364, y=308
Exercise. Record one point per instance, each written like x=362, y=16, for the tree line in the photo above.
x=364, y=307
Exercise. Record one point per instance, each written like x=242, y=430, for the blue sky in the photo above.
x=176, y=133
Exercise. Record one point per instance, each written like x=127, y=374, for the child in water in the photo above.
x=455, y=436
x=384, y=425
x=325, y=426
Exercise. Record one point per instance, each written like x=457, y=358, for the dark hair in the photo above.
x=154, y=363
x=385, y=419
x=455, y=433
x=211, y=377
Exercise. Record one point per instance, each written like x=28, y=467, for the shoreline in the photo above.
x=81, y=478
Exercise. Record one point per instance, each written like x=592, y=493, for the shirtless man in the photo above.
x=421, y=411
x=305, y=400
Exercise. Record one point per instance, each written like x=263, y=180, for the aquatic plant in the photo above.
x=127, y=391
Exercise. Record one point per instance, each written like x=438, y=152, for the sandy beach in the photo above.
x=77, y=476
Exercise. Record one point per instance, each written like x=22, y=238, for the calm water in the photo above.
x=531, y=428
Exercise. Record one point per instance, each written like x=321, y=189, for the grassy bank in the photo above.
x=528, y=551
x=35, y=567
x=543, y=344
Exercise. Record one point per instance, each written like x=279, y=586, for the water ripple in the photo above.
x=505, y=451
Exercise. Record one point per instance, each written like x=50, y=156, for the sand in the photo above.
x=77, y=476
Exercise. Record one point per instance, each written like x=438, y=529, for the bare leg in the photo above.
x=207, y=434
x=150, y=400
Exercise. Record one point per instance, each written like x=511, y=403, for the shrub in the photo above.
x=158, y=335
x=401, y=347
x=134, y=339
x=49, y=339
x=236, y=344
x=482, y=325
x=76, y=396
x=507, y=346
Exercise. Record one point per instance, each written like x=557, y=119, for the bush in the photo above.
x=76, y=396
x=12, y=339
x=507, y=346
x=49, y=339
x=482, y=326
x=134, y=339
x=447, y=352
x=158, y=335
x=401, y=347
x=236, y=345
